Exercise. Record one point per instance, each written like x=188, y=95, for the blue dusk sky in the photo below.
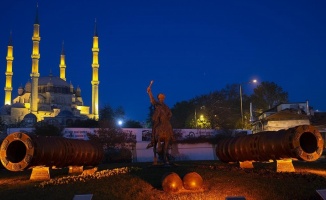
x=188, y=47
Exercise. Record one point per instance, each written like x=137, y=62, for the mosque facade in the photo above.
x=48, y=98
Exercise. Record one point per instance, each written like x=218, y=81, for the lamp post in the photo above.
x=240, y=89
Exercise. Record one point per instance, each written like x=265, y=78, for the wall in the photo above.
x=200, y=151
x=180, y=152
x=284, y=124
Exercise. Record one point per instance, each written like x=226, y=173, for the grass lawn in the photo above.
x=144, y=181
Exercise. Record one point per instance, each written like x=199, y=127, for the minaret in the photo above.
x=95, y=82
x=35, y=60
x=62, y=64
x=9, y=73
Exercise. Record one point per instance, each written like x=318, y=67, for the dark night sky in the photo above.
x=188, y=47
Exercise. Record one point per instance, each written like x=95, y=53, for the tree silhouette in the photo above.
x=267, y=95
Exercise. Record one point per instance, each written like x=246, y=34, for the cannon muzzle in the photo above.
x=302, y=142
x=20, y=151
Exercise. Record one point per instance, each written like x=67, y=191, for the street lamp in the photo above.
x=203, y=123
x=240, y=88
x=120, y=122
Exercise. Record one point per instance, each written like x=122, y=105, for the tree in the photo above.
x=107, y=113
x=220, y=110
x=3, y=125
x=110, y=116
x=88, y=123
x=182, y=114
x=110, y=138
x=45, y=129
x=119, y=113
x=223, y=108
x=267, y=95
x=114, y=141
x=149, y=116
x=132, y=124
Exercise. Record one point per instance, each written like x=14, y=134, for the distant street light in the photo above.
x=240, y=88
x=202, y=123
x=120, y=122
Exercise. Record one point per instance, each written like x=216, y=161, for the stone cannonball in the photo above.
x=192, y=181
x=171, y=182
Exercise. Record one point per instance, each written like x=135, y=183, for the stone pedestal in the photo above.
x=40, y=173
x=246, y=165
x=75, y=170
x=90, y=171
x=285, y=165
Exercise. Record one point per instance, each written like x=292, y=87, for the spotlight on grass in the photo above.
x=171, y=182
x=192, y=181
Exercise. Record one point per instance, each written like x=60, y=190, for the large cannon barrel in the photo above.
x=20, y=151
x=301, y=142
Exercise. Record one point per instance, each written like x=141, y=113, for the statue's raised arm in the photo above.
x=149, y=91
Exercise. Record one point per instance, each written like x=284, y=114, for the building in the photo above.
x=288, y=115
x=49, y=98
x=283, y=116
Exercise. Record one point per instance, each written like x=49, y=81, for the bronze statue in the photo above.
x=161, y=127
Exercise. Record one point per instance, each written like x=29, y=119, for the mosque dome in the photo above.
x=49, y=83
x=54, y=80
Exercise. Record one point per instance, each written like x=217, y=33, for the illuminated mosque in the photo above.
x=48, y=98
